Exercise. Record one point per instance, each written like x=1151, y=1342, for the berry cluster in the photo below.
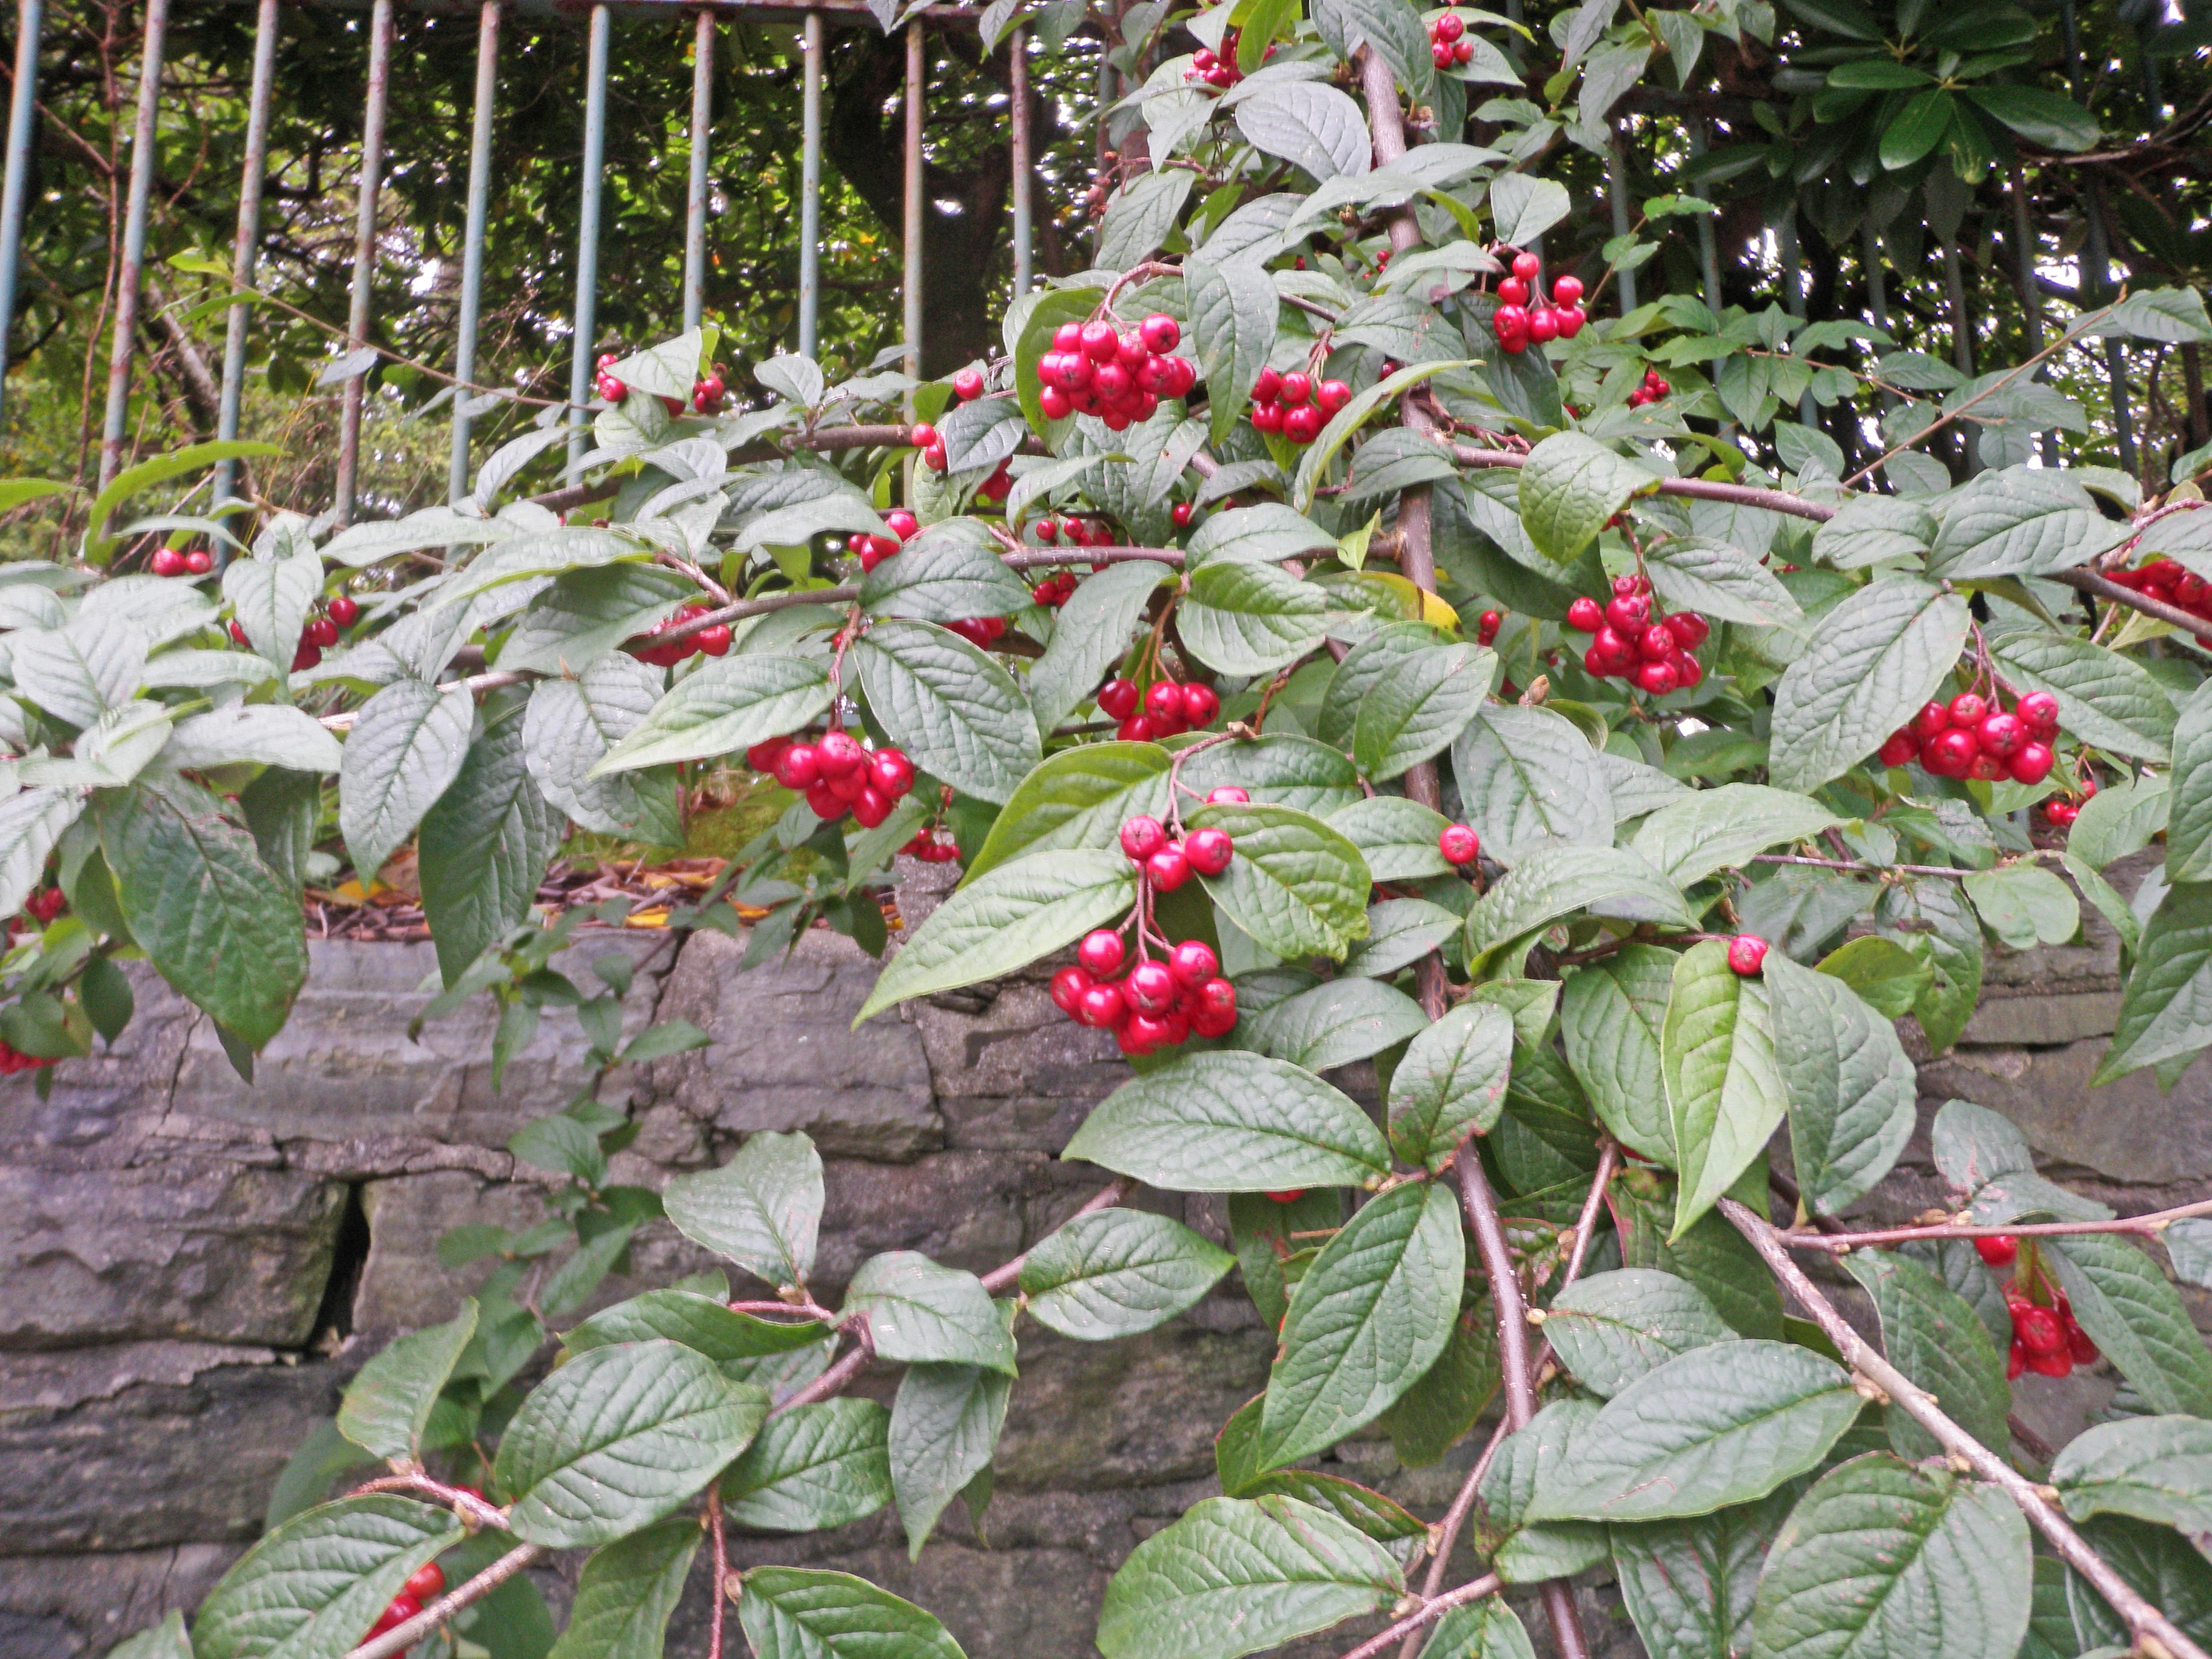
x=612, y=390
x=1487, y=626
x=176, y=562
x=1055, y=590
x=1631, y=641
x=2062, y=811
x=1156, y=1005
x=1448, y=42
x=319, y=633
x=1076, y=532
x=1968, y=738
x=1459, y=844
x=933, y=847
x=715, y=642
x=1293, y=406
x=707, y=392
x=1746, y=952
x=1650, y=391
x=1165, y=709
x=2046, y=1338
x=874, y=550
x=2161, y=578
x=1218, y=69
x=13, y=1060
x=1523, y=315
x=427, y=1585
x=45, y=905
x=836, y=774
x=1118, y=375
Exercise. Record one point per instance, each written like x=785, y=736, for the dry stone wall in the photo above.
x=191, y=1265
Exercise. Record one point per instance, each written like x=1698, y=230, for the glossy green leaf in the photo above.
x=1529, y=1553
x=1725, y=1092
x=1557, y=881
x=1571, y=488
x=1296, y=885
x=1610, y=1014
x=1527, y=777
x=954, y=710
x=571, y=725
x=1719, y=829
x=2130, y=1310
x=1931, y=1335
x=1246, y=618
x=2155, y=1468
x=1849, y=1088
x=2104, y=698
x=800, y=1613
x=2166, y=1003
x=1118, y=1273
x=627, y=1591
x=1418, y=707
x=1688, y=1584
x=312, y=1588
x=944, y=1425
x=1336, y=1023
x=812, y=1468
x=918, y=1310
x=483, y=846
x=762, y=1210
x=1870, y=664
x=698, y=1322
x=1612, y=1329
x=406, y=746
x=388, y=1404
x=1079, y=796
x=1450, y=1083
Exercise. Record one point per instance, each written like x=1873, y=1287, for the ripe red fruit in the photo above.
x=933, y=457
x=1100, y=952
x=1102, y=1007
x=1303, y=424
x=889, y=771
x=1163, y=698
x=1068, y=986
x=2079, y=1348
x=1745, y=953
x=1208, y=851
x=306, y=658
x=967, y=385
x=427, y=1584
x=1181, y=514
x=1200, y=704
x=1690, y=628
x=764, y=757
x=1229, y=792
x=1331, y=396
x=2058, y=1362
x=1997, y=1252
x=1571, y=320
x=1656, y=643
x=1102, y=343
x=1950, y=754
x=1296, y=387
x=1657, y=678
x=1932, y=719
x=1459, y=844
x=923, y=436
x=840, y=755
x=1161, y=332
x=1449, y=27
x=1291, y=1196
x=400, y=1610
x=1265, y=388
x=1585, y=616
x=901, y=523
x=167, y=562
x=2031, y=762
x=1628, y=613
x=1268, y=418
x=1526, y=265
x=1566, y=290
x=1509, y=320
x=800, y=767
x=1967, y=709
x=1512, y=291
x=1193, y=962
x=1135, y=729
x=2039, y=712
x=198, y=561
x=2061, y=812
x=2038, y=1329
x=345, y=609
x=1899, y=749
x=1169, y=868
x=1117, y=699
x=1142, y=836
x=1543, y=325
x=2000, y=734
x=1150, y=987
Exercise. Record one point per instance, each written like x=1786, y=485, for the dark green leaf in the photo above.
x=1932, y=1336
x=815, y=1468
x=1118, y=1273
x=762, y=1210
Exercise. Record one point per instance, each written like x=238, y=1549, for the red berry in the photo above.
x=967, y=385
x=765, y=756
x=1136, y=729
x=345, y=609
x=1161, y=332
x=1510, y=322
x=1585, y=616
x=1628, y=613
x=1932, y=719
x=1200, y=704
x=1997, y=1252
x=1193, y=962
x=1163, y=699
x=1967, y=709
x=2031, y=762
x=1102, y=1007
x=2061, y=812
x=1100, y=952
x=1150, y=987
x=1543, y=325
x=1209, y=1023
x=1331, y=396
x=306, y=658
x=1658, y=679
x=1101, y=342
x=401, y=1609
x=2000, y=734
x=1689, y=628
x=800, y=767
x=1656, y=643
x=1181, y=514
x=1291, y=1196
x=1208, y=852
x=1566, y=290
x=1571, y=320
x=1459, y=844
x=1950, y=754
x=1146, y=1032
x=2015, y=1362
x=321, y=632
x=1169, y=868
x=2039, y=712
x=1303, y=424
x=1117, y=699
x=198, y=561
x=1068, y=986
x=891, y=772
x=1141, y=838
x=2038, y=1329
x=1745, y=953
x=2058, y=1362
x=840, y=755
x=167, y=562
x=1228, y=792
x=1512, y=291
x=1449, y=27
x=427, y=1584
x=2079, y=1348
x=1526, y=266
x=1265, y=388
x=1898, y=749
x=1067, y=337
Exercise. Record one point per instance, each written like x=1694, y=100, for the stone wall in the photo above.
x=191, y=1265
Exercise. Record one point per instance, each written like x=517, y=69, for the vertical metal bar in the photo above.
x=915, y=75
x=587, y=237
x=364, y=249
x=1709, y=255
x=702, y=142
x=1877, y=282
x=143, y=160
x=21, y=111
x=810, y=188
x=1793, y=297
x=245, y=243
x=2096, y=273
x=1616, y=185
x=472, y=243
x=1017, y=82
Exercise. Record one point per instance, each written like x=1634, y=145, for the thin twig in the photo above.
x=834, y=1380
x=2103, y=587
x=721, y=1570
x=1114, y=1192
x=1704, y=489
x=466, y=1504
x=1418, y=1620
x=1860, y=868
x=2151, y=1631
x=402, y=1637
x=2148, y=1225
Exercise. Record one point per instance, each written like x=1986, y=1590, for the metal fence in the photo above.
x=815, y=18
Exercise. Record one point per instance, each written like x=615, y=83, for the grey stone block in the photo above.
x=1020, y=1075
x=2125, y=1132
x=78, y=1606
x=147, y=1445
x=784, y=1054
x=186, y=1247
